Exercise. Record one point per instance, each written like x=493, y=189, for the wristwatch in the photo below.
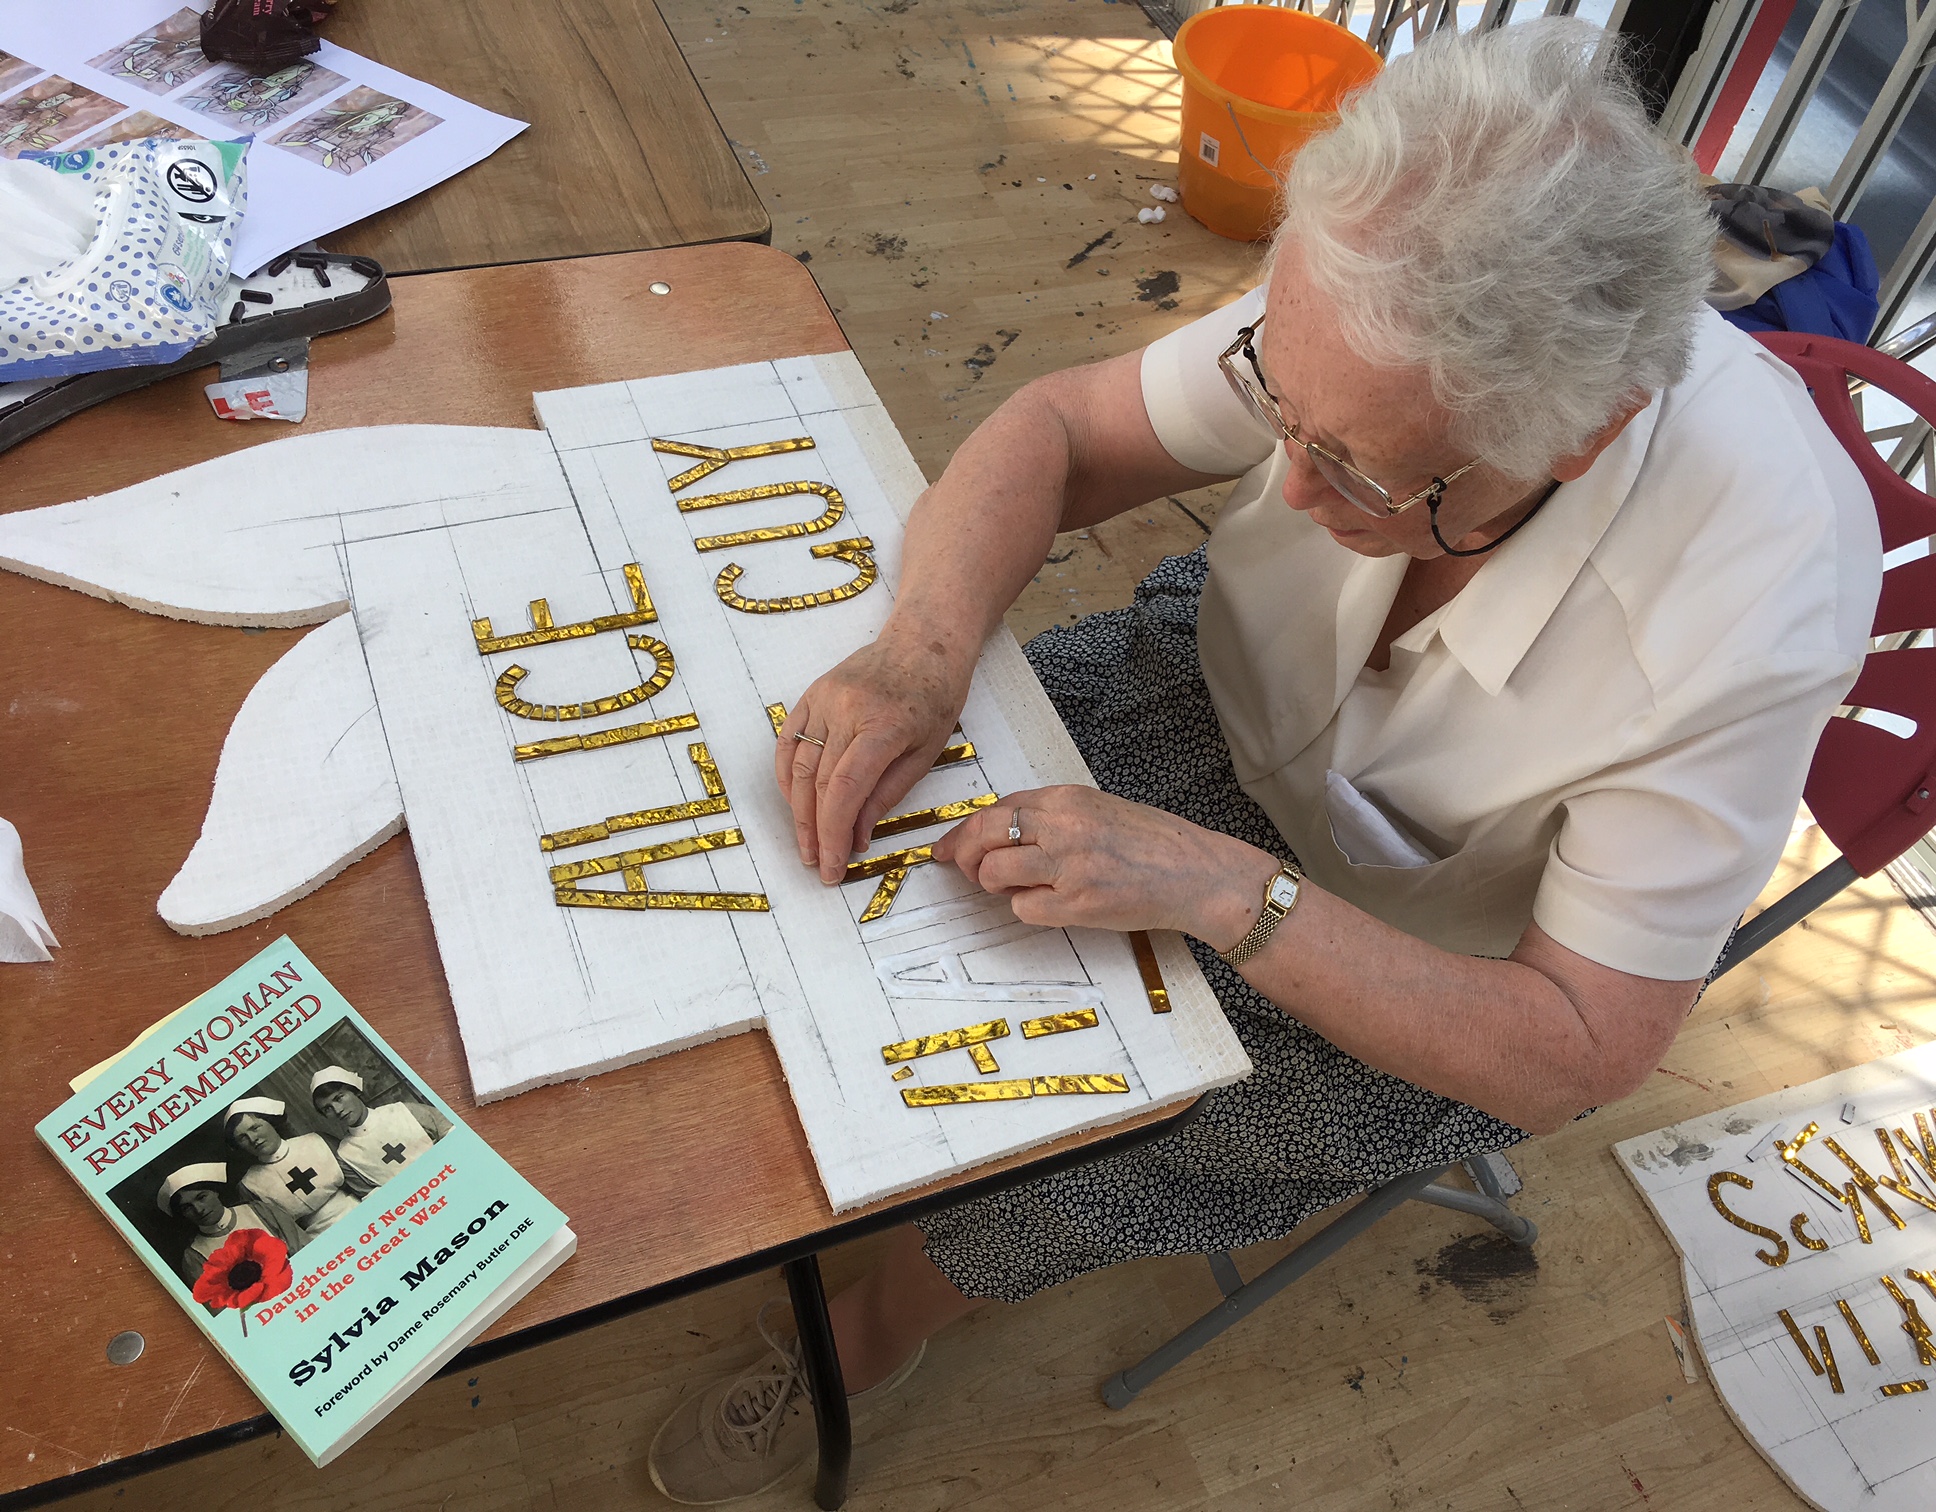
x=1280, y=897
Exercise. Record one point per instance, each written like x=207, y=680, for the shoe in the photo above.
x=748, y=1432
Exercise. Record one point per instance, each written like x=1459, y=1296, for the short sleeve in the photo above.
x=1655, y=863
x=1200, y=421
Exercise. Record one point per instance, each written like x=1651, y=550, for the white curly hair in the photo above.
x=1496, y=209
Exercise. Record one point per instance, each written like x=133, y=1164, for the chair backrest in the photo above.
x=1870, y=787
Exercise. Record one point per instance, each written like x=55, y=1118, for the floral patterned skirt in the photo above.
x=1311, y=1126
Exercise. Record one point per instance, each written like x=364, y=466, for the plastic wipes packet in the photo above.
x=148, y=286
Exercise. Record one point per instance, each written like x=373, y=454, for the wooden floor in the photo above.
x=1429, y=1367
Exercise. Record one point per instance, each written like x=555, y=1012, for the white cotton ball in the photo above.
x=1163, y=192
x=1152, y=216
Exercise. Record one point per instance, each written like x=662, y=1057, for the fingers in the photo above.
x=847, y=775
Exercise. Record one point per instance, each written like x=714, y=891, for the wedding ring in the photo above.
x=1015, y=828
x=810, y=740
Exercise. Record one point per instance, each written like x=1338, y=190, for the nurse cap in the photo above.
x=268, y=1107
x=334, y=1074
x=209, y=1173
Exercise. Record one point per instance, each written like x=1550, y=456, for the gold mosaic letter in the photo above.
x=1912, y=1322
x=1828, y=1359
x=1714, y=1185
x=511, y=676
x=712, y=458
x=892, y=867
x=1798, y=1226
x=544, y=633
x=631, y=866
x=1904, y=1388
x=853, y=551
x=715, y=802
x=825, y=520
x=1871, y=1188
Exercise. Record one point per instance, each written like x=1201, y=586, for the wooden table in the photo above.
x=110, y=726
x=623, y=154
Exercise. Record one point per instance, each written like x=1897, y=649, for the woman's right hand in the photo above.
x=884, y=714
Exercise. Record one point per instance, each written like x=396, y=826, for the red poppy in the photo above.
x=253, y=1264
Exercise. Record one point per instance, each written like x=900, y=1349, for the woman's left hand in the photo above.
x=1086, y=858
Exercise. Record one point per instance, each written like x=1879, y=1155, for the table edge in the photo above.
x=127, y=1467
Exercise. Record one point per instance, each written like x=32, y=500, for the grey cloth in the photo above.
x=1310, y=1127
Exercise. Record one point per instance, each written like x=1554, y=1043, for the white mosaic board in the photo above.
x=389, y=714
x=1842, y=1452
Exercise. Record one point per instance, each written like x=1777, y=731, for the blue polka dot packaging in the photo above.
x=148, y=288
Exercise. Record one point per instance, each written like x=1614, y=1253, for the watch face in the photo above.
x=1283, y=891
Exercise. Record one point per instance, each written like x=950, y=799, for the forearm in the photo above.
x=1504, y=1036
x=982, y=531
x=1064, y=452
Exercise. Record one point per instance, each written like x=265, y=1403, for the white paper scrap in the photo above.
x=24, y=935
x=337, y=136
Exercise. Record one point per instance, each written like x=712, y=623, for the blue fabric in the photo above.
x=1836, y=297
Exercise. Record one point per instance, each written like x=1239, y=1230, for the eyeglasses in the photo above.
x=1373, y=498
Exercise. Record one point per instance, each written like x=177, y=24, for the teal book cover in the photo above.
x=331, y=1225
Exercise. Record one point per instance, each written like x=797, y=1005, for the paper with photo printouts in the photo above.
x=337, y=137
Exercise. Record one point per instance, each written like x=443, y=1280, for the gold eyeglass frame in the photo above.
x=1264, y=402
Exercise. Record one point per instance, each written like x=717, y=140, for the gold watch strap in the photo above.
x=1273, y=914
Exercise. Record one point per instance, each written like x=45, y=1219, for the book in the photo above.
x=329, y=1223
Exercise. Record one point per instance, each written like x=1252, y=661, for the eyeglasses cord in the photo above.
x=1432, y=506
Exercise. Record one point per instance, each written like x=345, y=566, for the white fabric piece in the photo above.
x=24, y=935
x=288, y=814
x=1363, y=831
x=1608, y=730
x=46, y=219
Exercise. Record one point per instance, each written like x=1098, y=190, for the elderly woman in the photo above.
x=1458, y=750
x=298, y=1175
x=199, y=1196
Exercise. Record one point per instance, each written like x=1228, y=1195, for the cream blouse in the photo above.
x=1607, y=731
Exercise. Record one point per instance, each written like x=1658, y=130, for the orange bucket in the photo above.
x=1257, y=83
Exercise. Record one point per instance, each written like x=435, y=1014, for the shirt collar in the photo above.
x=1493, y=622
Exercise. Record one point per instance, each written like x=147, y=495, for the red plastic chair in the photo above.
x=1869, y=788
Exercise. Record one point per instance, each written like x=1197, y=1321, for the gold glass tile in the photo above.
x=1903, y=1388
x=544, y=633
x=715, y=802
x=942, y=813
x=903, y=1074
x=1855, y=1327
x=1152, y=974
x=1059, y=1023
x=1009, y=1091
x=1798, y=1226
x=829, y=517
x=652, y=729
x=984, y=1059
x=1828, y=1359
x=1870, y=1186
x=947, y=1039
x=712, y=458
x=1795, y=1333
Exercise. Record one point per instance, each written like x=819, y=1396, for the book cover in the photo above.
x=324, y=1217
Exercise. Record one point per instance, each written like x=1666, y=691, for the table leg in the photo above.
x=822, y=1361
